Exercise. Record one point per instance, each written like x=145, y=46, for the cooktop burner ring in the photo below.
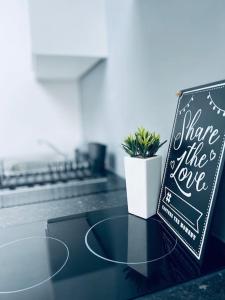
x=128, y=262
x=48, y=277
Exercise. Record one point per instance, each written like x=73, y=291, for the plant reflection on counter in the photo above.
x=124, y=238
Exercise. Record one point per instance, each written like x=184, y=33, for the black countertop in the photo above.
x=40, y=204
x=208, y=287
x=211, y=286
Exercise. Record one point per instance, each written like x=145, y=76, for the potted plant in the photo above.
x=142, y=172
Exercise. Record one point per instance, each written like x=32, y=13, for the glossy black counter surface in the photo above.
x=209, y=287
x=54, y=261
x=34, y=205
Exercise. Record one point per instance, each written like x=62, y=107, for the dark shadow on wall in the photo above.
x=111, y=161
x=93, y=98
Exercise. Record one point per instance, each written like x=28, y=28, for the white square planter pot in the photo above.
x=143, y=180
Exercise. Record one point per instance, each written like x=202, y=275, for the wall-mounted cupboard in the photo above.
x=68, y=37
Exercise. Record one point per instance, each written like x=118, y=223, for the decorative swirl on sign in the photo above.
x=215, y=107
x=186, y=106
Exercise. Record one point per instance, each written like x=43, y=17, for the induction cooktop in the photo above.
x=107, y=254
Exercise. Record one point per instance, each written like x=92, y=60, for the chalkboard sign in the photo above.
x=194, y=165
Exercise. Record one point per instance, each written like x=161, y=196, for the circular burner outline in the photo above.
x=48, y=278
x=123, y=262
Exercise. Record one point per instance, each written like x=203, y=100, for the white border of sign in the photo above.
x=196, y=254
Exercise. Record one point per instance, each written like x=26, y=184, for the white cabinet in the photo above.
x=68, y=36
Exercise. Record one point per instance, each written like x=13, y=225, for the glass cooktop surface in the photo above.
x=106, y=254
x=127, y=239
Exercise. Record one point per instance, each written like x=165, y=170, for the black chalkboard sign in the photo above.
x=194, y=165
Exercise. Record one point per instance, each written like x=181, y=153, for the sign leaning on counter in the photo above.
x=194, y=165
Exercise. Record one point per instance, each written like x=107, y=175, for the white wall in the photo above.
x=155, y=48
x=30, y=110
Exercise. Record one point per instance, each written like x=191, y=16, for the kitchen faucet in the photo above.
x=53, y=147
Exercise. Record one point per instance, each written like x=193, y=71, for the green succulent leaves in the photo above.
x=142, y=143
